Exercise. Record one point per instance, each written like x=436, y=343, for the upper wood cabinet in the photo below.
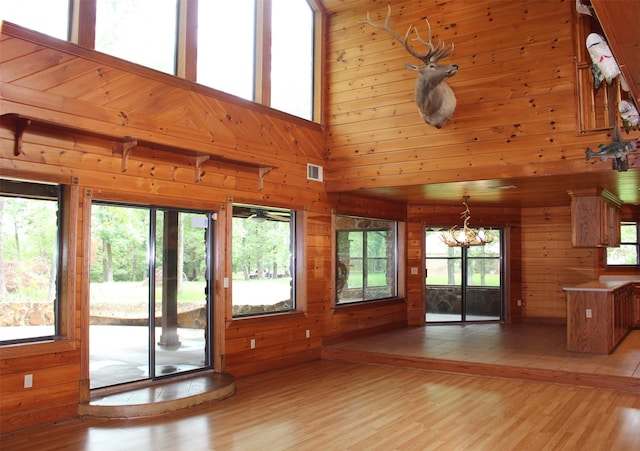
x=595, y=218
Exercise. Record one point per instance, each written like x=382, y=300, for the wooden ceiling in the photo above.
x=619, y=20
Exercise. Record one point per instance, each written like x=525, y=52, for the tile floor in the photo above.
x=541, y=346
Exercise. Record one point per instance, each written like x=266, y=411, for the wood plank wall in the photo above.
x=97, y=99
x=550, y=263
x=515, y=89
x=516, y=116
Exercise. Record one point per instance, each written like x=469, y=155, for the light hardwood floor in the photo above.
x=335, y=405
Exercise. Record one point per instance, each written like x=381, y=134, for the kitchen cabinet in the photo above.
x=595, y=218
x=599, y=315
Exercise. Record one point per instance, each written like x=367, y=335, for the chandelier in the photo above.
x=466, y=236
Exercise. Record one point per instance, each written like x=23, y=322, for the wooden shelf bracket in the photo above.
x=261, y=173
x=21, y=125
x=126, y=148
x=200, y=160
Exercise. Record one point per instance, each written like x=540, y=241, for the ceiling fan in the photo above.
x=260, y=215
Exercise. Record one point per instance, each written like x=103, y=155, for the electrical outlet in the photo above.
x=28, y=380
x=308, y=333
x=253, y=343
x=519, y=302
x=588, y=313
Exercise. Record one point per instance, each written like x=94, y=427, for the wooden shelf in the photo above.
x=128, y=144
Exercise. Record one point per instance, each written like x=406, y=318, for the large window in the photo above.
x=366, y=260
x=142, y=31
x=45, y=16
x=292, y=57
x=259, y=50
x=226, y=46
x=628, y=254
x=234, y=58
x=30, y=215
x=263, y=260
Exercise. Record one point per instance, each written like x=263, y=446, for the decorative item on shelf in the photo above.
x=466, y=236
x=628, y=115
x=604, y=65
x=617, y=150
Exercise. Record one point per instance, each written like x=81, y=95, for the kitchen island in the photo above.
x=599, y=315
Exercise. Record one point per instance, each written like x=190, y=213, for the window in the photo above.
x=29, y=261
x=237, y=49
x=263, y=260
x=629, y=251
x=366, y=259
x=141, y=31
x=45, y=16
x=292, y=58
x=220, y=65
x=231, y=53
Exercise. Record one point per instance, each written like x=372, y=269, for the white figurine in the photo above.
x=602, y=57
x=629, y=115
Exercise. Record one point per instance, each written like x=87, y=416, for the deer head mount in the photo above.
x=435, y=99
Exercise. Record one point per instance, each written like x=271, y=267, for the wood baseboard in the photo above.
x=333, y=339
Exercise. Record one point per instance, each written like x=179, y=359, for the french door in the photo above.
x=150, y=296
x=463, y=283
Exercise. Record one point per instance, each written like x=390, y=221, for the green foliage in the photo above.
x=627, y=252
x=28, y=248
x=259, y=246
x=120, y=242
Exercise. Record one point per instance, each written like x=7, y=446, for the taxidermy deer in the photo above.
x=435, y=99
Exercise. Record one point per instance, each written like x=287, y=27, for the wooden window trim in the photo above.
x=66, y=316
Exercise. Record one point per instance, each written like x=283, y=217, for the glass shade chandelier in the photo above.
x=466, y=236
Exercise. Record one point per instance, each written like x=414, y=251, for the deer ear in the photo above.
x=412, y=67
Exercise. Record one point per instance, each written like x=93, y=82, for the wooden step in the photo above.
x=160, y=398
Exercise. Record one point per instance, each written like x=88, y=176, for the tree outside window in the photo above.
x=263, y=260
x=628, y=253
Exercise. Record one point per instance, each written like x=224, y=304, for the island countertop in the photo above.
x=599, y=285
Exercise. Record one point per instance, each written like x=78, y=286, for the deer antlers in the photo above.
x=431, y=56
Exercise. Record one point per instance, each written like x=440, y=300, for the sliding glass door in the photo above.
x=463, y=283
x=149, y=293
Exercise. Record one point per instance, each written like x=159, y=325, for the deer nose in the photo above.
x=455, y=66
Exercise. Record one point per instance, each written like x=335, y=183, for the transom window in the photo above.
x=628, y=254
x=142, y=31
x=259, y=50
x=366, y=259
x=50, y=17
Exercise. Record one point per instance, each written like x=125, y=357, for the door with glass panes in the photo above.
x=463, y=283
x=150, y=294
